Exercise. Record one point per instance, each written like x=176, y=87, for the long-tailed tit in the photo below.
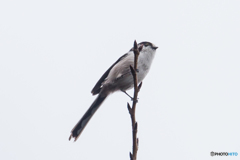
x=117, y=78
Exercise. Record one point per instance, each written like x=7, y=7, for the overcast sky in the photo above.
x=53, y=52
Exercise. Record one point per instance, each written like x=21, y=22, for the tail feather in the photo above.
x=77, y=130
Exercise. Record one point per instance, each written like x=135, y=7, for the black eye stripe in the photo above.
x=145, y=45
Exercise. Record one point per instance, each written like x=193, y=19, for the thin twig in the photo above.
x=133, y=155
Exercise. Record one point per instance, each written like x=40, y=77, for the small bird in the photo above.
x=117, y=78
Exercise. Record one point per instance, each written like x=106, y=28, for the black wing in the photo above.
x=98, y=86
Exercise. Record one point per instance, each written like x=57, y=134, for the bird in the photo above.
x=117, y=78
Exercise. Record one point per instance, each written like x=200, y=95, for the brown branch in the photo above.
x=133, y=155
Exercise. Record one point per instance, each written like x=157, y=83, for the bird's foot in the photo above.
x=132, y=99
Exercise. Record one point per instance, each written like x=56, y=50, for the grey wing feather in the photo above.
x=97, y=88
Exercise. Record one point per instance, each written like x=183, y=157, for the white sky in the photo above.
x=53, y=52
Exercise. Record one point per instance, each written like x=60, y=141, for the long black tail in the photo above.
x=77, y=130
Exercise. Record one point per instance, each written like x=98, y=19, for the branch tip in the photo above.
x=129, y=108
x=139, y=86
x=132, y=70
x=131, y=156
x=135, y=45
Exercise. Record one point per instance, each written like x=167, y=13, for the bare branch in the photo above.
x=133, y=155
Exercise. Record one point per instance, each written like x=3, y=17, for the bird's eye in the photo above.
x=146, y=44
